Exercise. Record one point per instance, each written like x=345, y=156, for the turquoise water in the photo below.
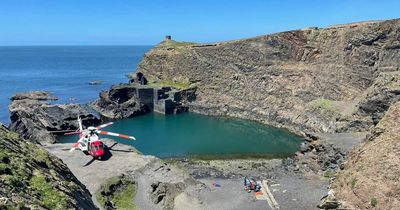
x=202, y=136
x=64, y=70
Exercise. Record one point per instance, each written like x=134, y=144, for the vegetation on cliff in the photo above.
x=30, y=177
x=180, y=85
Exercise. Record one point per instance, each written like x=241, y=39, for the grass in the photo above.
x=353, y=183
x=122, y=197
x=181, y=85
x=374, y=202
x=394, y=85
x=322, y=104
x=176, y=45
x=4, y=168
x=10, y=135
x=41, y=155
x=329, y=173
x=327, y=106
x=51, y=198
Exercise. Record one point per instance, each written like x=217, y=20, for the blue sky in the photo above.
x=129, y=22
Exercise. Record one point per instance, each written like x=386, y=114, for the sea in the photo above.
x=65, y=71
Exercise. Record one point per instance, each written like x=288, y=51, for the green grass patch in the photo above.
x=10, y=135
x=3, y=155
x=12, y=180
x=50, y=197
x=4, y=168
x=326, y=106
x=175, y=44
x=374, y=202
x=395, y=85
x=181, y=85
x=178, y=46
x=118, y=192
x=329, y=173
x=124, y=198
x=322, y=104
x=41, y=155
x=353, y=183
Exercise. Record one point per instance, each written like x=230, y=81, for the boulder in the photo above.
x=329, y=201
x=165, y=193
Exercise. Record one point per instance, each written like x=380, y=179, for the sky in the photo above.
x=130, y=22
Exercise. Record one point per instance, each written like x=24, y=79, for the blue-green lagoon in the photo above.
x=200, y=136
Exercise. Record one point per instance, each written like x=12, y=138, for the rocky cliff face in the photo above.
x=123, y=101
x=337, y=79
x=35, y=119
x=32, y=178
x=370, y=176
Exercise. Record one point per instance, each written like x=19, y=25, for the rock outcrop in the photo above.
x=133, y=99
x=34, y=118
x=124, y=100
x=370, y=177
x=32, y=178
x=336, y=79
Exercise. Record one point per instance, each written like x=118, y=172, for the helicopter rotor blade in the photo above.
x=116, y=134
x=72, y=133
x=90, y=162
x=104, y=125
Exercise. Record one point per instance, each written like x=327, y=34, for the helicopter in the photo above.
x=89, y=142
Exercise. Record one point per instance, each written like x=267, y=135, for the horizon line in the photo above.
x=77, y=45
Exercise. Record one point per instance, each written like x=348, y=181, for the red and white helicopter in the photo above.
x=89, y=141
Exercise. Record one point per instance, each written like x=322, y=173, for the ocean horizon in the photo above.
x=64, y=70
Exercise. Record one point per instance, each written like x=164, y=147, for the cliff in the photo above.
x=32, y=178
x=337, y=79
x=371, y=173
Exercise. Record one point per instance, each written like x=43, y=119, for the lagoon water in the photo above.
x=66, y=71
x=194, y=135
